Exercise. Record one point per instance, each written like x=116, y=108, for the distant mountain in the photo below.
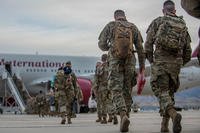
x=190, y=93
x=190, y=97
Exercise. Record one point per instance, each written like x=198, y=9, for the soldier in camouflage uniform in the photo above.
x=95, y=88
x=166, y=64
x=63, y=83
x=122, y=73
x=104, y=93
x=68, y=70
x=41, y=101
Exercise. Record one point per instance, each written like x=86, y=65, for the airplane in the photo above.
x=36, y=70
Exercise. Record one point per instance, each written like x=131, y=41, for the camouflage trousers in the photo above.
x=106, y=105
x=164, y=83
x=65, y=103
x=122, y=77
x=99, y=110
x=41, y=110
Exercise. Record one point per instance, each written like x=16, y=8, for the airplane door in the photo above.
x=8, y=68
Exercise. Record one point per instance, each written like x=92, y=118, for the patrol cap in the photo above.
x=119, y=13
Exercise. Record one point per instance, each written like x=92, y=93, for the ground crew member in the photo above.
x=118, y=38
x=169, y=36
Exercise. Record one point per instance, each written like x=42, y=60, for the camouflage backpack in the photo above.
x=171, y=33
x=123, y=45
x=60, y=80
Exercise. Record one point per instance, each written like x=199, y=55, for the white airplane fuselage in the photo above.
x=35, y=70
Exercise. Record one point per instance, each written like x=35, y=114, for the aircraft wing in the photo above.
x=41, y=81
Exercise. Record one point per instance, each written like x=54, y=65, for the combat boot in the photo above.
x=124, y=122
x=176, y=119
x=110, y=118
x=165, y=124
x=115, y=120
x=69, y=121
x=63, y=121
x=99, y=119
x=104, y=121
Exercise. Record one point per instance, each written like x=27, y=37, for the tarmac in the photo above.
x=141, y=122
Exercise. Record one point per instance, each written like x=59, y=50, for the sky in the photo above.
x=72, y=27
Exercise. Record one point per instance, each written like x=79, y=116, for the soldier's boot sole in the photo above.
x=177, y=124
x=98, y=120
x=63, y=121
x=115, y=120
x=124, y=124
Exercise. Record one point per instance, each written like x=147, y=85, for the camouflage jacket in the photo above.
x=74, y=83
x=64, y=82
x=41, y=99
x=102, y=76
x=159, y=55
x=106, y=39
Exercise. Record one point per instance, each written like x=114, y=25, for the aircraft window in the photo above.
x=51, y=70
x=41, y=70
x=30, y=70
x=55, y=70
x=85, y=71
x=26, y=70
x=45, y=70
x=88, y=71
x=79, y=71
x=34, y=70
x=75, y=71
x=38, y=70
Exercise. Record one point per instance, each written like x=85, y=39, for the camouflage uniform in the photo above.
x=95, y=89
x=191, y=7
x=76, y=92
x=122, y=73
x=65, y=96
x=41, y=102
x=165, y=67
x=103, y=92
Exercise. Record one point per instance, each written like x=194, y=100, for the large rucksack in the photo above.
x=170, y=34
x=123, y=45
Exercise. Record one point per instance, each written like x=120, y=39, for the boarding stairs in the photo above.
x=14, y=91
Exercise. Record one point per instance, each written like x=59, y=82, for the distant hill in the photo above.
x=190, y=97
